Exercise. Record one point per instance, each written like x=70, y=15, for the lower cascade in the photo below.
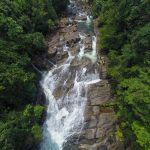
x=65, y=88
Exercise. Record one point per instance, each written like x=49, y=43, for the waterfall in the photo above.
x=88, y=21
x=65, y=88
x=65, y=117
x=92, y=55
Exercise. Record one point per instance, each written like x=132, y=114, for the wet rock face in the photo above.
x=99, y=121
x=99, y=94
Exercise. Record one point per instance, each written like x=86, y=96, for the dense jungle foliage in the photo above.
x=23, y=24
x=125, y=37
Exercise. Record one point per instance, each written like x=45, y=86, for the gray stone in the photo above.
x=102, y=147
x=96, y=110
x=99, y=133
x=88, y=113
x=99, y=94
x=84, y=147
x=100, y=100
x=93, y=122
x=90, y=133
x=106, y=118
x=105, y=124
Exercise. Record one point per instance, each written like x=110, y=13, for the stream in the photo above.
x=66, y=86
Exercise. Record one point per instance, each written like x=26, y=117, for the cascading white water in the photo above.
x=92, y=55
x=65, y=88
x=88, y=21
x=82, y=46
x=63, y=119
